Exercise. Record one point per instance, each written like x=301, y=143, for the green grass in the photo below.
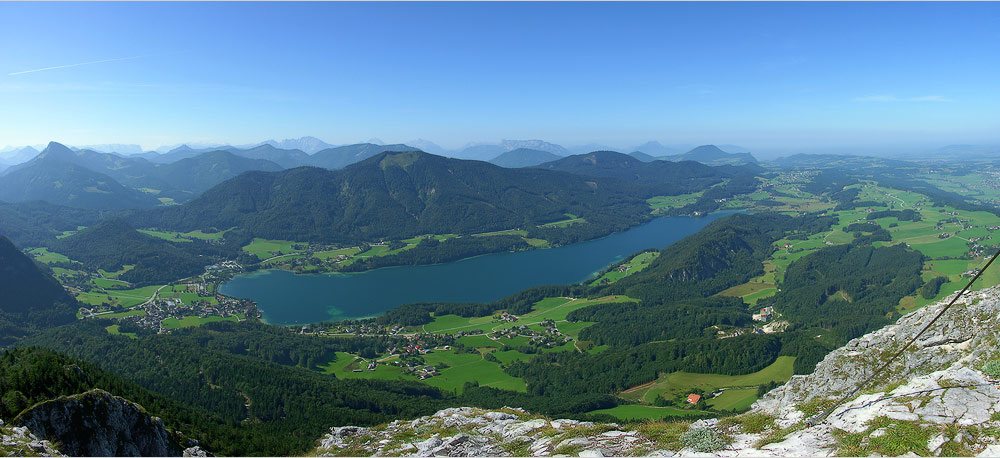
x=343, y=367
x=124, y=314
x=125, y=298
x=171, y=236
x=552, y=308
x=569, y=221
x=333, y=254
x=108, y=283
x=43, y=255
x=947, y=247
x=681, y=382
x=69, y=233
x=636, y=264
x=115, y=274
x=509, y=356
x=631, y=412
x=520, y=232
x=263, y=248
x=469, y=367
x=190, y=321
x=113, y=329
x=476, y=341
x=663, y=203
x=734, y=400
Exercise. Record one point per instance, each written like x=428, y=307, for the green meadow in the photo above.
x=636, y=264
x=681, y=383
x=125, y=297
x=634, y=412
x=263, y=248
x=190, y=321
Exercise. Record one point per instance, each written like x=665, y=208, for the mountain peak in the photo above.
x=706, y=149
x=56, y=148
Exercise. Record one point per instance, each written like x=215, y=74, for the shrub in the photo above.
x=703, y=440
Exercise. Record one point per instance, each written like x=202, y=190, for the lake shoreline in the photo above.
x=288, y=298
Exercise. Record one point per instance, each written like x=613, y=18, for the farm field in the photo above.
x=113, y=329
x=45, y=256
x=263, y=248
x=124, y=297
x=186, y=295
x=553, y=308
x=569, y=221
x=174, y=236
x=455, y=369
x=680, y=383
x=636, y=264
x=635, y=412
x=109, y=283
x=189, y=321
x=734, y=400
x=469, y=367
x=945, y=256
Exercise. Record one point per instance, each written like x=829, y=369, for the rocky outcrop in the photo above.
x=964, y=336
x=935, y=400
x=97, y=423
x=466, y=431
x=18, y=441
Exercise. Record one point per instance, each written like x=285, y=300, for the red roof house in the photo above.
x=694, y=398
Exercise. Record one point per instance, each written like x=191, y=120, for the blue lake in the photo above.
x=285, y=298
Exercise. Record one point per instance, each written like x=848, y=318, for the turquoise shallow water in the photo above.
x=285, y=298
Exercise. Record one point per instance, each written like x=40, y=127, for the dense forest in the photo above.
x=31, y=224
x=652, y=178
x=113, y=244
x=395, y=196
x=219, y=367
x=725, y=253
x=30, y=298
x=618, y=368
x=432, y=251
x=631, y=324
x=850, y=289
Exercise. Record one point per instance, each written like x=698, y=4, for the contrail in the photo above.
x=75, y=65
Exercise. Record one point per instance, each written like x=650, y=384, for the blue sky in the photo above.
x=768, y=76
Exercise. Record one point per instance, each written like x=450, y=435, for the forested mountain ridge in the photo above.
x=31, y=297
x=113, y=244
x=339, y=157
x=178, y=179
x=655, y=177
x=397, y=195
x=64, y=183
x=31, y=224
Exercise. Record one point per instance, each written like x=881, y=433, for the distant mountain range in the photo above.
x=52, y=178
x=487, y=151
x=89, y=179
x=308, y=145
x=523, y=157
x=123, y=149
x=14, y=156
x=657, y=177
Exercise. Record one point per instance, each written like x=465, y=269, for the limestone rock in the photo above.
x=97, y=423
